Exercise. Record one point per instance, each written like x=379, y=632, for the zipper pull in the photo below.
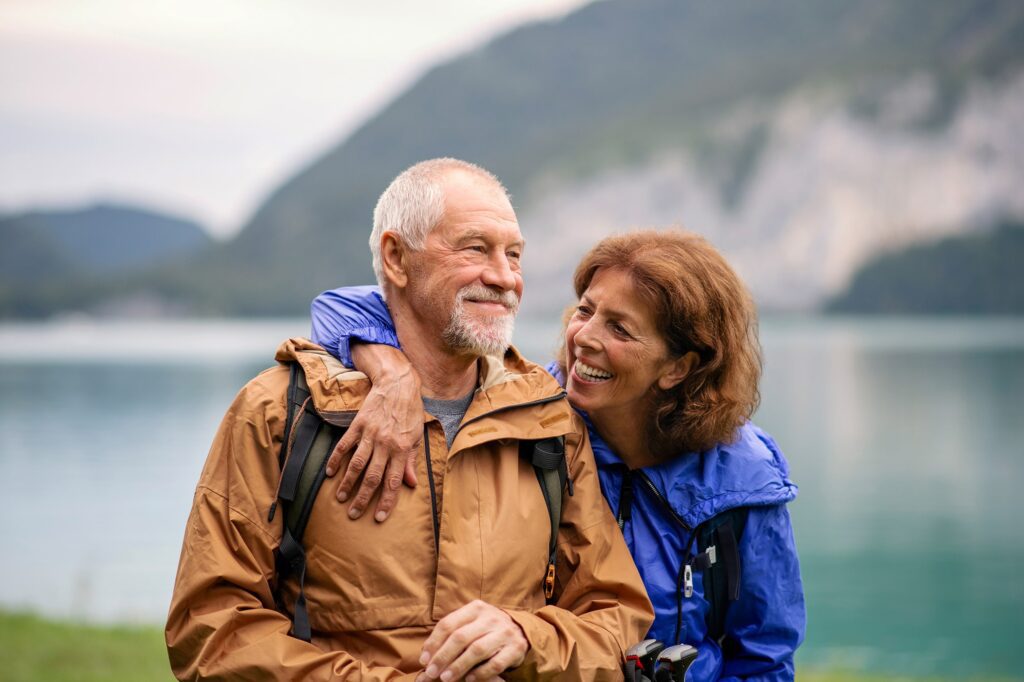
x=687, y=581
x=626, y=499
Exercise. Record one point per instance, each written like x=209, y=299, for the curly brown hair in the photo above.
x=700, y=305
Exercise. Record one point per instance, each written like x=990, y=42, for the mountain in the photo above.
x=53, y=260
x=803, y=137
x=971, y=274
x=99, y=239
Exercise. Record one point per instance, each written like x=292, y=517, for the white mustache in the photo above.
x=481, y=293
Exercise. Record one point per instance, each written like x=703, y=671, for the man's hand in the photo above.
x=385, y=435
x=476, y=642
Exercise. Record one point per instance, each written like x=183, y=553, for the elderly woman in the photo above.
x=661, y=358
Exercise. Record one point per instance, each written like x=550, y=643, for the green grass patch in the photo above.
x=33, y=648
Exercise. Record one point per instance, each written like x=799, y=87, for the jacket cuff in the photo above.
x=384, y=337
x=540, y=636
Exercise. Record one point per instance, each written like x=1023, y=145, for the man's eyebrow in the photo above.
x=471, y=234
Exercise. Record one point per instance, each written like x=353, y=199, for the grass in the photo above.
x=33, y=649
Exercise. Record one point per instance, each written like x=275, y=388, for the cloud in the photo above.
x=205, y=106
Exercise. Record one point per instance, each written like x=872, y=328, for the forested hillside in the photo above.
x=53, y=260
x=975, y=274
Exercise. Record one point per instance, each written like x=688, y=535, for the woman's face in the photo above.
x=614, y=353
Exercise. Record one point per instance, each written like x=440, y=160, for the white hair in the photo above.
x=413, y=204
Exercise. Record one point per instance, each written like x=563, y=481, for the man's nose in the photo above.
x=499, y=273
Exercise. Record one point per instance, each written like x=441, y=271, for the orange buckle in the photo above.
x=549, y=582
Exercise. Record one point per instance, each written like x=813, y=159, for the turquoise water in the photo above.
x=907, y=440
x=905, y=437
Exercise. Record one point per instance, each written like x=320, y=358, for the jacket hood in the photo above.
x=338, y=391
x=750, y=471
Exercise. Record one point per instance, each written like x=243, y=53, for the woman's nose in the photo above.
x=587, y=336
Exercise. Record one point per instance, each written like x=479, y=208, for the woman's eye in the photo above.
x=583, y=311
x=620, y=330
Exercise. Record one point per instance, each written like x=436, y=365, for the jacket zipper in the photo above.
x=625, y=512
x=625, y=499
x=684, y=580
x=433, y=493
x=664, y=503
x=430, y=468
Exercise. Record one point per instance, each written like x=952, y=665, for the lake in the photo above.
x=905, y=436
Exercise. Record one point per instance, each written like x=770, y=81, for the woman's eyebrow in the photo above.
x=610, y=311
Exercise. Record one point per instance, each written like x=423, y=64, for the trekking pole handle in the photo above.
x=674, y=661
x=640, y=659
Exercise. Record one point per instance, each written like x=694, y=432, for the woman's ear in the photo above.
x=678, y=370
x=394, y=259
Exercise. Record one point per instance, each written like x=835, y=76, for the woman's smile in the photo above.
x=590, y=374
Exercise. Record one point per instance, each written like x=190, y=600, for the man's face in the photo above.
x=466, y=282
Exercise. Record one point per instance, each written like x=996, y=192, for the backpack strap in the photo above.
x=298, y=392
x=719, y=558
x=547, y=456
x=307, y=444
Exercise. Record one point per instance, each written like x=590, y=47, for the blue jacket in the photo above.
x=766, y=624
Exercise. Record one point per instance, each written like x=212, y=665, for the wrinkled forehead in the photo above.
x=478, y=208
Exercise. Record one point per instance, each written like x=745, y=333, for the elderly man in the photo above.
x=452, y=586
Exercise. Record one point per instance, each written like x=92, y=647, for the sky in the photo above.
x=201, y=107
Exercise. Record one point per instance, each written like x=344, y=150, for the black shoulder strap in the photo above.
x=548, y=459
x=298, y=391
x=308, y=442
x=718, y=547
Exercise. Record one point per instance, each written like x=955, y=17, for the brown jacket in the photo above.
x=375, y=590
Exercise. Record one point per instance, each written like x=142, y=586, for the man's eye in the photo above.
x=513, y=255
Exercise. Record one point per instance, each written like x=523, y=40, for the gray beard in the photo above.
x=480, y=338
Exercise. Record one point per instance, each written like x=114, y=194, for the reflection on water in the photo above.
x=904, y=436
x=103, y=459
x=910, y=465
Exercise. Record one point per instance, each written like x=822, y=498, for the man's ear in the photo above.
x=394, y=259
x=678, y=370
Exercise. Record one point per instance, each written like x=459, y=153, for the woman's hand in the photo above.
x=385, y=435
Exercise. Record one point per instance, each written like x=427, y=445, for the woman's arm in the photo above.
x=387, y=431
x=341, y=316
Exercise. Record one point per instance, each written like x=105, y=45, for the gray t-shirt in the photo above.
x=449, y=413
